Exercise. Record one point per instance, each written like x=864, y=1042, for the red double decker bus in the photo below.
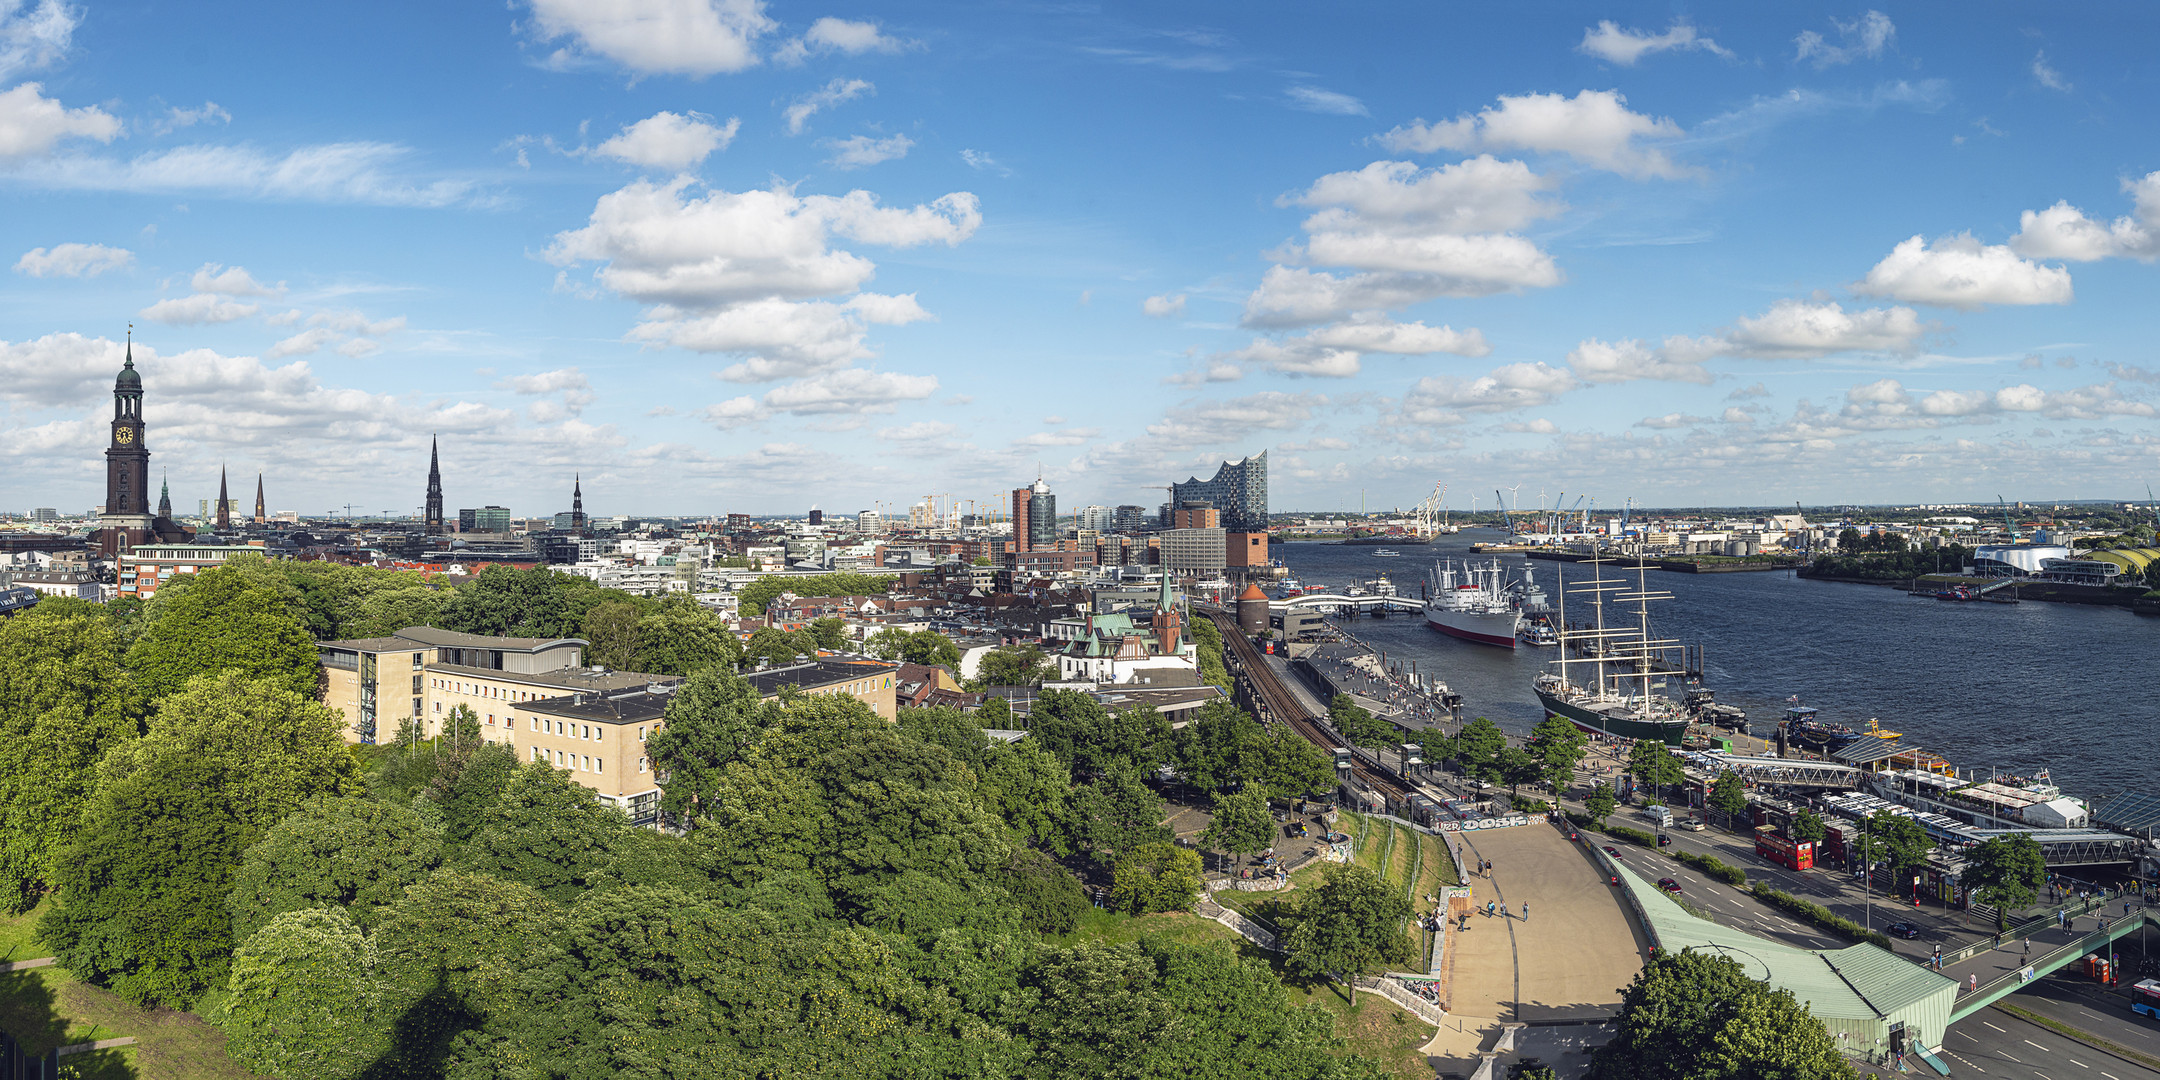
x=1790, y=854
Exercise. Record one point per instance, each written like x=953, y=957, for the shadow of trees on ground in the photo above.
x=29, y=1011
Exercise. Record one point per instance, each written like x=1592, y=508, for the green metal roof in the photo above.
x=1862, y=982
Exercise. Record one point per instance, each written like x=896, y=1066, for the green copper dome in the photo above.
x=129, y=378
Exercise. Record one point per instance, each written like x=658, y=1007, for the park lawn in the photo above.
x=1437, y=856
x=1111, y=928
x=47, y=1007
x=1375, y=1027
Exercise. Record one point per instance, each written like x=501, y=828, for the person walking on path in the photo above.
x=1972, y=982
x=1526, y=911
x=2028, y=948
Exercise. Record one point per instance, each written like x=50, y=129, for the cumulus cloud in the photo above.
x=34, y=35
x=830, y=35
x=1608, y=42
x=197, y=310
x=73, y=260
x=576, y=391
x=652, y=37
x=1863, y=38
x=1597, y=361
x=232, y=281
x=2062, y=231
x=862, y=151
x=1670, y=421
x=1594, y=127
x=1961, y=272
x=836, y=92
x=1314, y=99
x=1887, y=404
x=1800, y=330
x=1164, y=307
x=1445, y=399
x=846, y=392
x=31, y=124
x=1337, y=350
x=1480, y=195
x=753, y=274
x=668, y=140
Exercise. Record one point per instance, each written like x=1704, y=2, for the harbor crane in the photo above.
x=2008, y=526
x=1429, y=519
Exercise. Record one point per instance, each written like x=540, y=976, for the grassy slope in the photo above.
x=47, y=1007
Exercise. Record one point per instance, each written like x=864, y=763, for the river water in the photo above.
x=2011, y=686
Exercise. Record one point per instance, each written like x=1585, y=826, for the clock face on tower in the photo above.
x=124, y=436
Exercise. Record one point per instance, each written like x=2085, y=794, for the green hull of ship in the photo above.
x=1668, y=733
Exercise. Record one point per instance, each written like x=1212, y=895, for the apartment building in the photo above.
x=421, y=673
x=147, y=566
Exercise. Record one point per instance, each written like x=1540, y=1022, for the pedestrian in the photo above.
x=1526, y=911
x=2028, y=948
x=1972, y=982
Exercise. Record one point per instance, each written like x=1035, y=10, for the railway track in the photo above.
x=1278, y=702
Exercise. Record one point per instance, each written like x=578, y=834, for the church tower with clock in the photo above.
x=127, y=519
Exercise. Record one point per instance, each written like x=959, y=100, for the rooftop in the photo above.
x=428, y=635
x=587, y=680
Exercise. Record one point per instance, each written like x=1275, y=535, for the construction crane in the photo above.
x=1507, y=520
x=2008, y=527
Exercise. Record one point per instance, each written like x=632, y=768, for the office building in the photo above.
x=486, y=519
x=1098, y=519
x=1196, y=517
x=1129, y=518
x=1194, y=552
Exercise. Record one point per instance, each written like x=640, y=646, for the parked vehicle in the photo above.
x=1693, y=826
x=1661, y=815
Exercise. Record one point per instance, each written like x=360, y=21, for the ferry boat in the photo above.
x=1617, y=691
x=1538, y=633
x=1387, y=553
x=1472, y=603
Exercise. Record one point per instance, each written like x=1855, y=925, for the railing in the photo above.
x=2029, y=927
x=1988, y=993
x=1246, y=928
x=1391, y=988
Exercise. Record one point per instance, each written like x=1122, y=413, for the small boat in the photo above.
x=1387, y=553
x=1539, y=633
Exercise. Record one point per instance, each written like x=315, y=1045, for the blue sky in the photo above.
x=721, y=255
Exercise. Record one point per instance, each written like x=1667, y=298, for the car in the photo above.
x=1904, y=930
x=1612, y=851
x=1693, y=826
x=1664, y=840
x=1669, y=885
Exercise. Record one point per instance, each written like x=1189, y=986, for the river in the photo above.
x=2015, y=687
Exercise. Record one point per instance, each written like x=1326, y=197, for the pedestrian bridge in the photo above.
x=1988, y=993
x=1777, y=771
x=1343, y=600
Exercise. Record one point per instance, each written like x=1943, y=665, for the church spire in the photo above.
x=261, y=517
x=577, y=501
x=224, y=503
x=164, y=499
x=433, y=513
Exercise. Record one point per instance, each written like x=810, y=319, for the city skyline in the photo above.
x=794, y=256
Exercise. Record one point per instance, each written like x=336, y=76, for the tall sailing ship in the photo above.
x=1608, y=677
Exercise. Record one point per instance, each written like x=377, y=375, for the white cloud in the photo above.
x=1737, y=415
x=2048, y=76
x=1628, y=360
x=830, y=35
x=1480, y=195
x=1594, y=126
x=847, y=392
x=919, y=431
x=1864, y=37
x=302, y=343
x=1670, y=421
x=668, y=140
x=1797, y=329
x=982, y=162
x=576, y=391
x=34, y=35
x=1887, y=405
x=1539, y=426
x=73, y=260
x=1749, y=392
x=177, y=117
x=1163, y=307
x=335, y=172
x=836, y=92
x=357, y=348
x=197, y=309
x=353, y=322
x=233, y=281
x=653, y=37
x=1608, y=42
x=1961, y=272
x=1337, y=350
x=2062, y=231
x=1443, y=399
x=57, y=369
x=862, y=151
x=1314, y=99
x=31, y=124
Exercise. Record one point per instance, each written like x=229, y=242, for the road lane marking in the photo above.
x=2077, y=1063
x=2032, y=1044
x=2111, y=1076
x=2006, y=1054
x=1993, y=1028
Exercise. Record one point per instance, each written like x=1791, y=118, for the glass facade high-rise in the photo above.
x=1238, y=492
x=1042, y=526
x=1130, y=518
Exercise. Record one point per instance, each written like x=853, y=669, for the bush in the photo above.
x=1632, y=836
x=1710, y=865
x=1527, y=805
x=1817, y=914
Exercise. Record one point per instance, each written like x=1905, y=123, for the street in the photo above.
x=1994, y=1043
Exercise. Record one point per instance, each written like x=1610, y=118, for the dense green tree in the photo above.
x=780, y=647
x=1091, y=739
x=1358, y=725
x=1241, y=824
x=2006, y=873
x=1477, y=749
x=889, y=643
x=143, y=887
x=830, y=632
x=1030, y=790
x=468, y=935
x=931, y=649
x=353, y=854
x=1894, y=840
x=1698, y=1016
x=1211, y=750
x=713, y=719
x=1654, y=767
x=896, y=808
x=1600, y=804
x=1049, y=899
x=540, y=602
x=612, y=628
x=546, y=831
x=64, y=702
x=1515, y=766
x=386, y=611
x=1208, y=653
x=304, y=998
x=954, y=729
x=467, y=783
x=1155, y=877
x=221, y=621
x=681, y=638
x=1807, y=825
x=756, y=595
x=1728, y=794
x=1287, y=765
x=1352, y=922
x=995, y=714
x=1559, y=747
x=1115, y=813
x=1015, y=665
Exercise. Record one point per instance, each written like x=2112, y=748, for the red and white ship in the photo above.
x=1472, y=603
